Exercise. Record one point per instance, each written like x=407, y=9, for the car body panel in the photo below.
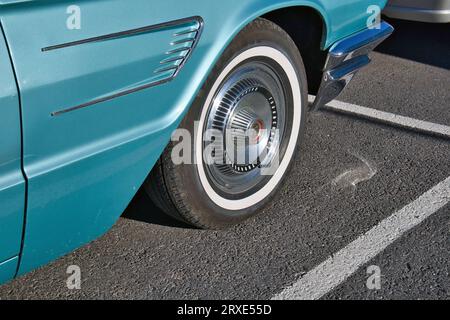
x=84, y=167
x=12, y=182
x=8, y=269
x=437, y=11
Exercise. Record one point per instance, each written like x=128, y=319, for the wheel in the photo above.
x=245, y=126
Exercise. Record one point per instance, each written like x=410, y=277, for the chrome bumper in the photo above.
x=345, y=59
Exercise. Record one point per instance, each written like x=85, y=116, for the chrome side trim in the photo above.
x=178, y=50
x=177, y=62
x=127, y=33
x=345, y=59
x=173, y=68
x=188, y=40
x=170, y=60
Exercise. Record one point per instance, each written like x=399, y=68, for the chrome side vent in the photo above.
x=183, y=42
x=181, y=37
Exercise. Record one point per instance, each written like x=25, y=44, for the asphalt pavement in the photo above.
x=321, y=210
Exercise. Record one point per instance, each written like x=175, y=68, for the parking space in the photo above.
x=409, y=74
x=415, y=267
x=351, y=174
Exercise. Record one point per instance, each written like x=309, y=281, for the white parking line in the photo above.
x=388, y=118
x=335, y=270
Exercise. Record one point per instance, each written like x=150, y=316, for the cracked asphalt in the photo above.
x=319, y=211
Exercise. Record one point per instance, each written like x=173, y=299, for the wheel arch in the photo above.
x=291, y=16
x=307, y=27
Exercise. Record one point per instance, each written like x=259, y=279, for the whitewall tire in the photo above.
x=258, y=86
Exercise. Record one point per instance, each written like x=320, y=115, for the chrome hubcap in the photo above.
x=249, y=113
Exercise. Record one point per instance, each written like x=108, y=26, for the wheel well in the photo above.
x=307, y=28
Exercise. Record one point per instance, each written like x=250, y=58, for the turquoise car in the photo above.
x=99, y=98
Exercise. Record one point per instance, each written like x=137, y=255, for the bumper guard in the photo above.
x=345, y=59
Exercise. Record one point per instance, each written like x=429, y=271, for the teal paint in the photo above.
x=12, y=184
x=8, y=269
x=84, y=167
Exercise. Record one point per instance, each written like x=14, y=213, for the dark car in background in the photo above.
x=435, y=11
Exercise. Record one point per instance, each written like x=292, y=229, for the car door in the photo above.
x=12, y=184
